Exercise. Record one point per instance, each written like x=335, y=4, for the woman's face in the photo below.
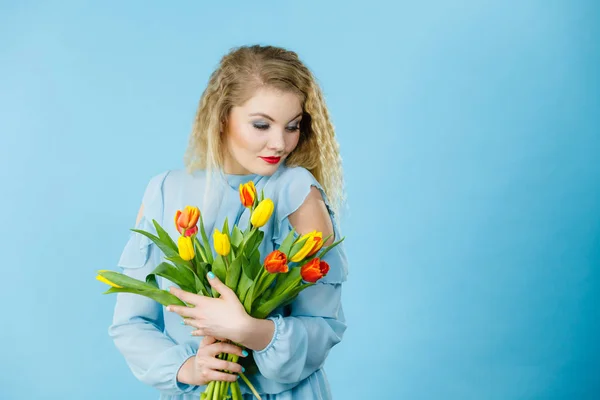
x=262, y=132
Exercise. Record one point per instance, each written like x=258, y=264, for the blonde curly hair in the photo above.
x=240, y=73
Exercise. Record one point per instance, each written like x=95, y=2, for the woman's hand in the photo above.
x=205, y=367
x=224, y=317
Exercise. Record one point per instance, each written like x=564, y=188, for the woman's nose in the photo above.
x=276, y=141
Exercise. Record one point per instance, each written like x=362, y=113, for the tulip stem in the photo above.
x=226, y=261
x=258, y=288
x=252, y=388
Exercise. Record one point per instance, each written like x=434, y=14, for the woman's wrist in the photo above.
x=185, y=374
x=257, y=333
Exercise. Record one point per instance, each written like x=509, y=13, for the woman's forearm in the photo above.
x=258, y=333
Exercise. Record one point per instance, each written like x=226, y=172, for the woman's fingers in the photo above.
x=193, y=322
x=212, y=375
x=216, y=364
x=182, y=310
x=217, y=348
x=207, y=340
x=188, y=297
x=202, y=332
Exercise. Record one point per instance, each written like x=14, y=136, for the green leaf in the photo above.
x=243, y=286
x=284, y=281
x=219, y=269
x=125, y=281
x=200, y=287
x=236, y=237
x=249, y=299
x=248, y=241
x=265, y=309
x=291, y=299
x=151, y=279
x=225, y=227
x=199, y=253
x=266, y=283
x=202, y=269
x=207, y=250
x=266, y=295
x=324, y=251
x=287, y=243
x=253, y=244
x=233, y=274
x=297, y=247
x=164, y=236
x=161, y=296
x=253, y=265
x=166, y=249
x=182, y=277
x=177, y=260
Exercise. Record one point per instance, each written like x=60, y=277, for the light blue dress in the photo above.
x=153, y=341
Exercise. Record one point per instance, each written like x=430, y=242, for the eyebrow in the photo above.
x=267, y=117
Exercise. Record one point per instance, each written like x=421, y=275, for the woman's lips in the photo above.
x=271, y=160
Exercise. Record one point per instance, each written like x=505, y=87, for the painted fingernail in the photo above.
x=244, y=353
x=211, y=275
x=243, y=369
x=182, y=322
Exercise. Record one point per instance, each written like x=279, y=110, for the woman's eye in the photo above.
x=262, y=127
x=293, y=128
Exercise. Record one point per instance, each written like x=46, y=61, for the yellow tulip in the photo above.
x=221, y=242
x=314, y=242
x=104, y=280
x=186, y=247
x=247, y=194
x=262, y=213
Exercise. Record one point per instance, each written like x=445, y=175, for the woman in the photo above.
x=262, y=117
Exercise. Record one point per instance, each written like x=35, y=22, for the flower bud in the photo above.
x=276, y=262
x=314, y=242
x=314, y=270
x=221, y=242
x=187, y=219
x=262, y=213
x=247, y=194
x=186, y=247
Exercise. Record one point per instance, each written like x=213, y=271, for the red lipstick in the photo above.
x=271, y=160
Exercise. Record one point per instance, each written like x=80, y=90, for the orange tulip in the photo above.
x=186, y=220
x=276, y=262
x=314, y=270
x=247, y=194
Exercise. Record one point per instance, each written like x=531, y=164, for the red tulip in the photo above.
x=314, y=270
x=276, y=262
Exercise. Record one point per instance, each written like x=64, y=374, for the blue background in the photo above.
x=470, y=135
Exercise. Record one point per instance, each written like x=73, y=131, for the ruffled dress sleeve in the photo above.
x=137, y=328
x=303, y=339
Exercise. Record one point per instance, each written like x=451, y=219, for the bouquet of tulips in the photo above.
x=260, y=286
